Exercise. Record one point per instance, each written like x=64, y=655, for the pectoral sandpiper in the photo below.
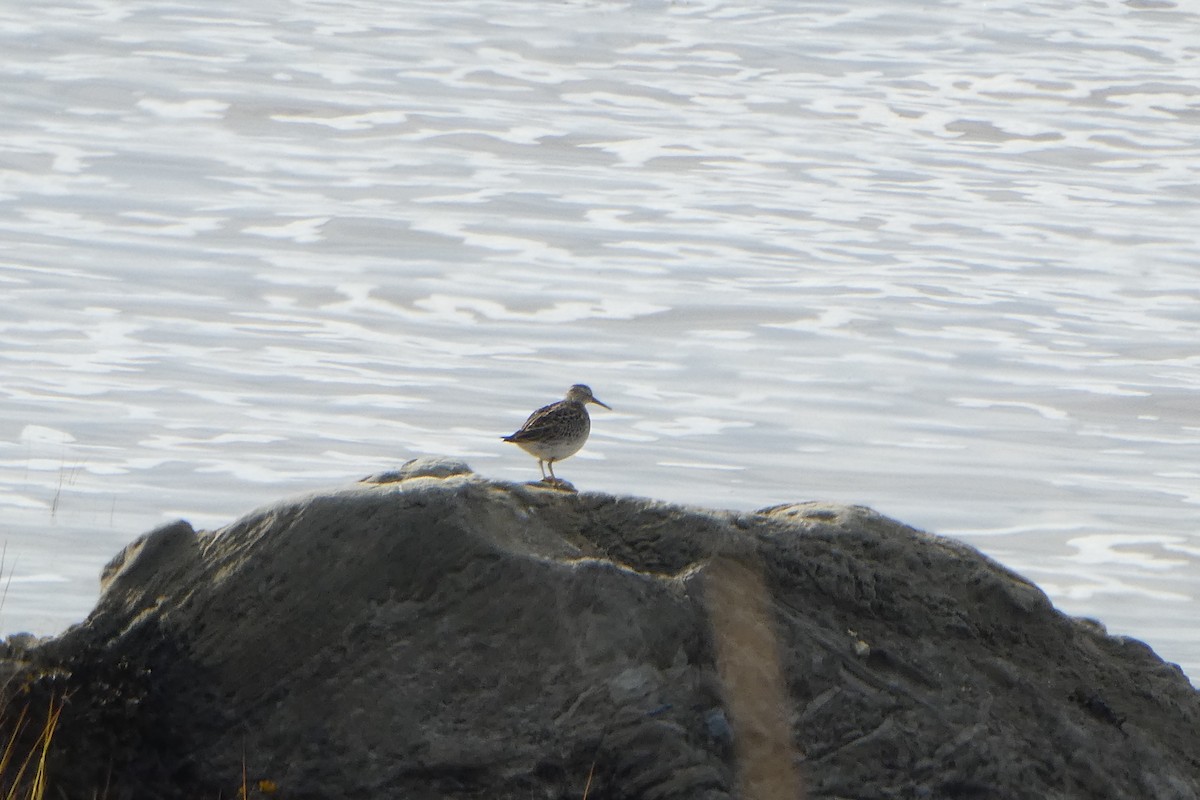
x=557, y=431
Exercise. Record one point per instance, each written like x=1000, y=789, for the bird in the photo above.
x=557, y=431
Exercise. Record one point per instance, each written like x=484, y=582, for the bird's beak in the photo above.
x=606, y=405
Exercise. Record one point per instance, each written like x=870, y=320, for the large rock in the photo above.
x=444, y=636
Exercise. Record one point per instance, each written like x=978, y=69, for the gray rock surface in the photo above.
x=431, y=634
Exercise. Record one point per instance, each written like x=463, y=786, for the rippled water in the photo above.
x=940, y=259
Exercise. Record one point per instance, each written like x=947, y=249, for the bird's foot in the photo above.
x=559, y=484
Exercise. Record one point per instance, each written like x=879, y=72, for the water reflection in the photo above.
x=941, y=264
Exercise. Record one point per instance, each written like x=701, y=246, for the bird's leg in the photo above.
x=543, y=469
x=553, y=477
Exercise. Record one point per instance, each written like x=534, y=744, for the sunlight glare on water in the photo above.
x=939, y=259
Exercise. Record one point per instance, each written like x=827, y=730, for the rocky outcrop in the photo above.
x=431, y=634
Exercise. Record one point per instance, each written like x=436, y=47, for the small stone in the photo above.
x=719, y=729
x=17, y=644
x=422, y=467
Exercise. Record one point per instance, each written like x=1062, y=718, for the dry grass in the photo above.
x=23, y=774
x=23, y=764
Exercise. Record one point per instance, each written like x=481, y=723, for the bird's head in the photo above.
x=582, y=394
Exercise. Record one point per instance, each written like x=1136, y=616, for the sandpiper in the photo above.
x=557, y=431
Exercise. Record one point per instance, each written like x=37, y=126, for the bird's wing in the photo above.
x=538, y=423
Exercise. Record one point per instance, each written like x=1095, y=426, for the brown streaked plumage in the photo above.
x=557, y=431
